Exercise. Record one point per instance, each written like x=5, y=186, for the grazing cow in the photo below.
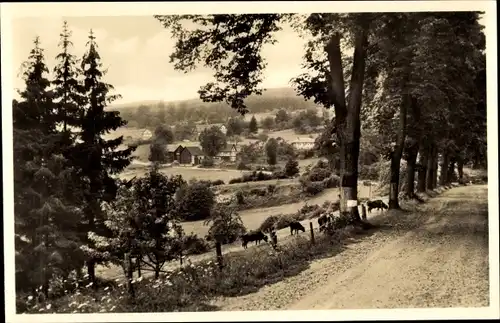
x=322, y=221
x=295, y=226
x=378, y=204
x=256, y=236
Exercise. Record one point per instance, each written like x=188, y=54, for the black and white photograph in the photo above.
x=195, y=161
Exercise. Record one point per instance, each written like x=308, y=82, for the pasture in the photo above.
x=187, y=173
x=253, y=218
x=290, y=135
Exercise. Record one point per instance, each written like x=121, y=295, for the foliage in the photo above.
x=291, y=167
x=195, y=201
x=225, y=224
x=212, y=141
x=235, y=126
x=252, y=126
x=271, y=148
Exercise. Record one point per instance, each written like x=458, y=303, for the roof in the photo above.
x=172, y=147
x=196, y=151
x=304, y=140
x=229, y=147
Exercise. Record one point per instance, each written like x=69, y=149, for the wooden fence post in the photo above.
x=312, y=232
x=363, y=211
x=129, y=270
x=218, y=250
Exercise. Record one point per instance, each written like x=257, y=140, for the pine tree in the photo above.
x=98, y=159
x=252, y=126
x=68, y=88
x=44, y=220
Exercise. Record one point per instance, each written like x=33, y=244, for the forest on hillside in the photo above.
x=150, y=115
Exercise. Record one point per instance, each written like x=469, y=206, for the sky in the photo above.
x=136, y=50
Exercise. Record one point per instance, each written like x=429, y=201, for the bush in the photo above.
x=331, y=182
x=235, y=180
x=279, y=175
x=268, y=223
x=218, y=182
x=258, y=192
x=271, y=189
x=291, y=167
x=240, y=199
x=370, y=172
x=194, y=245
x=319, y=174
x=313, y=188
x=242, y=166
x=207, y=162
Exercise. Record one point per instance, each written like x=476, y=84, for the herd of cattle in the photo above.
x=295, y=226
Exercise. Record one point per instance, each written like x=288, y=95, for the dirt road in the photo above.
x=437, y=257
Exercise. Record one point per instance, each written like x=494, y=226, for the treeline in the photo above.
x=71, y=212
x=418, y=79
x=173, y=113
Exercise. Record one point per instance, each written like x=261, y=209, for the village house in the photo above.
x=201, y=127
x=173, y=152
x=146, y=134
x=303, y=143
x=228, y=153
x=191, y=155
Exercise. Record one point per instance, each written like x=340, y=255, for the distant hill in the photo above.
x=269, y=94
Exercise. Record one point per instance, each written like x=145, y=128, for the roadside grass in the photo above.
x=191, y=287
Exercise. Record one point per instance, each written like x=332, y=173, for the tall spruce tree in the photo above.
x=68, y=88
x=44, y=220
x=98, y=159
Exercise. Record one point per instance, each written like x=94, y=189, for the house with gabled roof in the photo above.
x=191, y=155
x=228, y=153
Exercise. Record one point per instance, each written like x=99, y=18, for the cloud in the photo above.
x=137, y=58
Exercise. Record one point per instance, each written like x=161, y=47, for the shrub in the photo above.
x=268, y=223
x=319, y=174
x=218, y=182
x=279, y=175
x=258, y=192
x=331, y=182
x=311, y=188
x=207, y=162
x=271, y=188
x=242, y=166
x=370, y=172
x=240, y=199
x=195, y=245
x=236, y=180
x=291, y=167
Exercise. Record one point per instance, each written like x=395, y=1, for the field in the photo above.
x=290, y=135
x=187, y=173
x=253, y=218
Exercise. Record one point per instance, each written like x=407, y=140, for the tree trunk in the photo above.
x=218, y=251
x=410, y=169
x=139, y=259
x=129, y=272
x=451, y=171
x=460, y=169
x=91, y=270
x=443, y=179
x=430, y=168
x=422, y=171
x=398, y=153
x=435, y=167
x=347, y=118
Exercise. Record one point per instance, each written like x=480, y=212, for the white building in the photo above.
x=303, y=143
x=146, y=134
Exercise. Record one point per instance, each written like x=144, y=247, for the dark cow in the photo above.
x=378, y=204
x=256, y=236
x=322, y=221
x=295, y=226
